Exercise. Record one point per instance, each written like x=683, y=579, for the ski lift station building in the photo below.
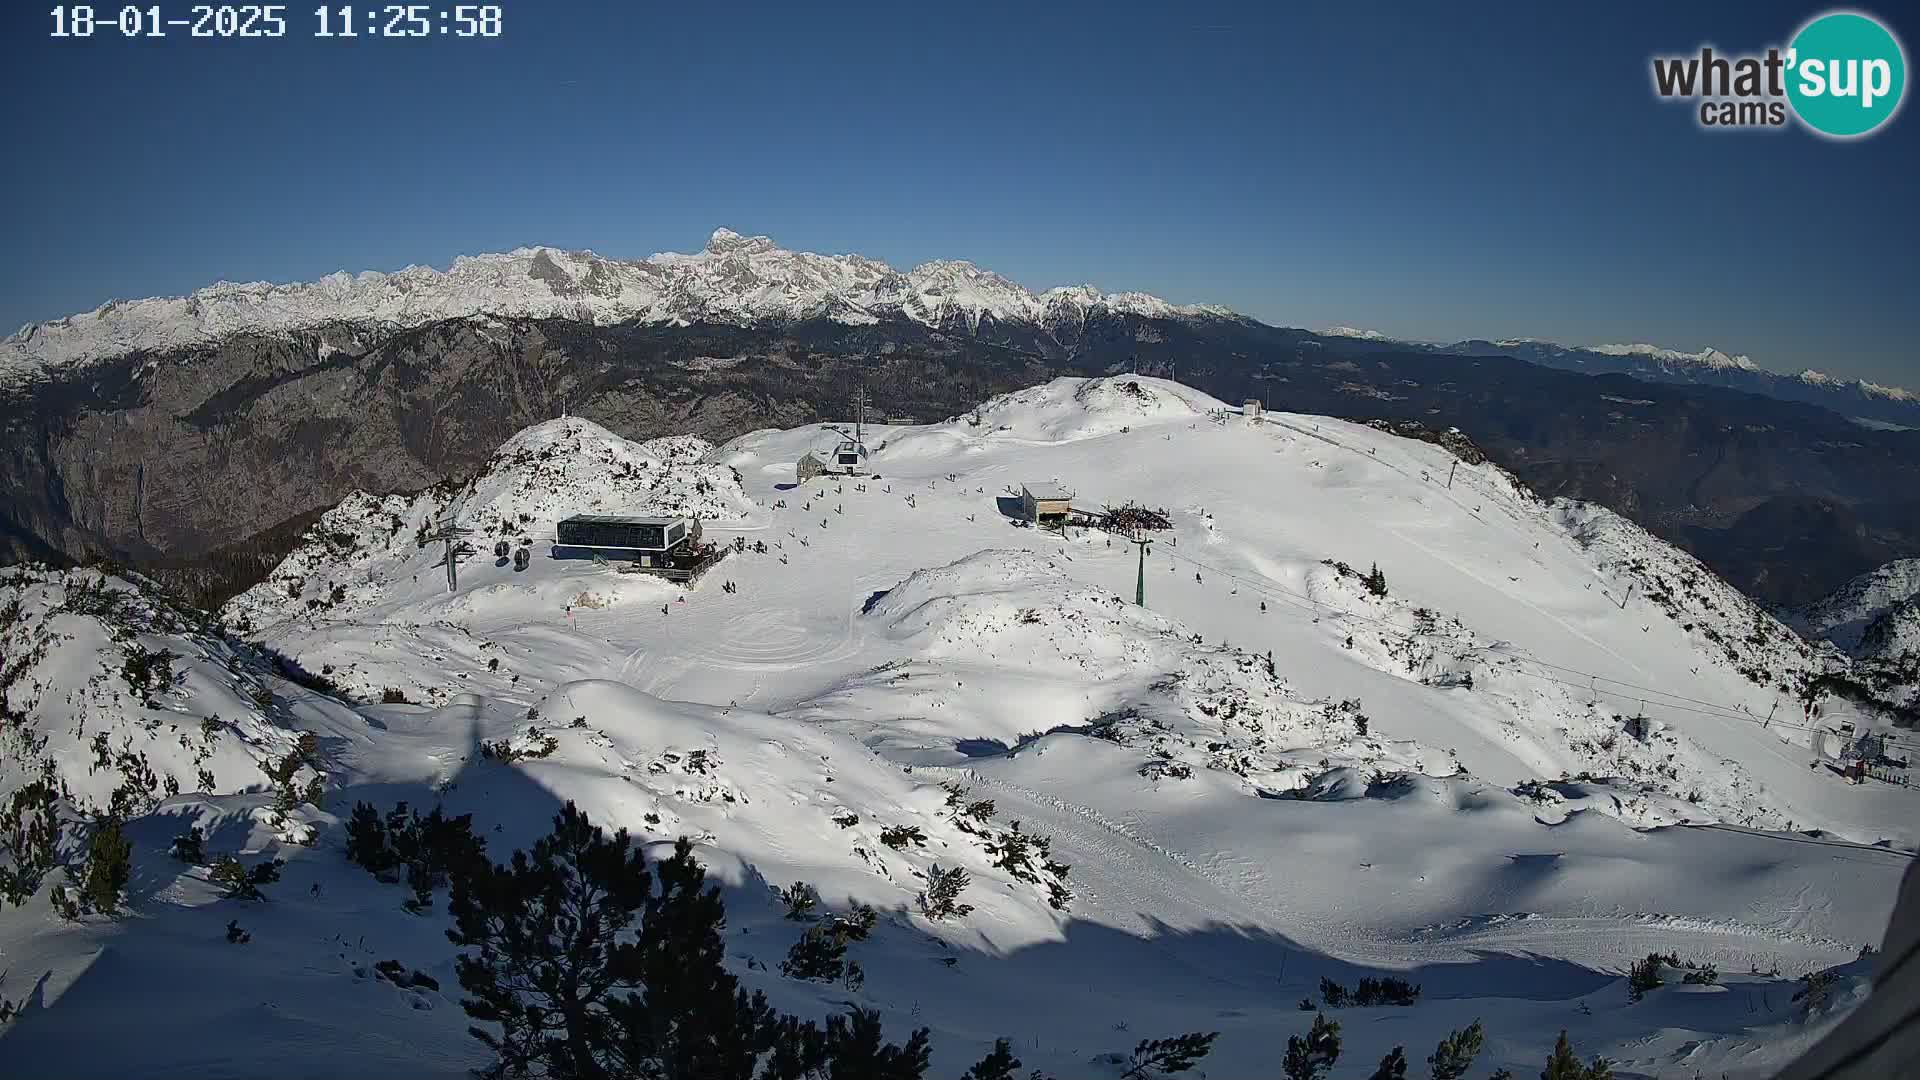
x=1045, y=503
x=847, y=458
x=628, y=537
x=850, y=454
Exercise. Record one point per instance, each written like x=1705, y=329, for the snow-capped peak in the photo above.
x=1708, y=357
x=1354, y=332
x=1870, y=389
x=734, y=279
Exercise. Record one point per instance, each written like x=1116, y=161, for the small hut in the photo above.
x=809, y=467
x=1046, y=503
x=1253, y=409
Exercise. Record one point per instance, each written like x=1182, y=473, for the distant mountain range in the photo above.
x=1855, y=398
x=748, y=280
x=206, y=431
x=736, y=280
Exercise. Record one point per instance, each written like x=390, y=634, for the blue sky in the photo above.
x=1428, y=171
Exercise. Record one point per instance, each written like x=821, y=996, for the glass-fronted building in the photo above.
x=612, y=532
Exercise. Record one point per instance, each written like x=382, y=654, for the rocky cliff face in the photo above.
x=155, y=455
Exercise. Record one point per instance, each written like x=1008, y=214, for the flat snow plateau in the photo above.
x=1555, y=745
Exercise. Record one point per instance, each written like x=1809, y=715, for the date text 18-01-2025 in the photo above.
x=344, y=21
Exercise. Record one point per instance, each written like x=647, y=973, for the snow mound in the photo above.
x=788, y=801
x=572, y=466
x=1067, y=409
x=1008, y=648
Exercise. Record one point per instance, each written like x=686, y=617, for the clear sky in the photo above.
x=1432, y=171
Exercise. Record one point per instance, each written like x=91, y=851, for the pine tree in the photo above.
x=848, y=1048
x=578, y=990
x=1334, y=994
x=1455, y=1054
x=102, y=881
x=29, y=835
x=1563, y=1065
x=1311, y=1057
x=1644, y=975
x=189, y=847
x=801, y=899
x=1393, y=1066
x=1377, y=581
x=999, y=1064
x=240, y=883
x=1165, y=1057
x=819, y=956
x=856, y=1049
x=367, y=840
x=547, y=957
x=690, y=1017
x=941, y=898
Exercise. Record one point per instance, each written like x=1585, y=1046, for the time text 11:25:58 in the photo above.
x=270, y=21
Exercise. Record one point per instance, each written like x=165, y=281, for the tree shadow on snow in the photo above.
x=305, y=978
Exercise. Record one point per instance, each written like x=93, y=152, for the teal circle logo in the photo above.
x=1846, y=74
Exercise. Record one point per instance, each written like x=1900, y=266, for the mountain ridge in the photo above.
x=735, y=279
x=741, y=279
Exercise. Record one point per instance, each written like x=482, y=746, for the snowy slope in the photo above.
x=1553, y=640
x=735, y=279
x=1269, y=774
x=116, y=688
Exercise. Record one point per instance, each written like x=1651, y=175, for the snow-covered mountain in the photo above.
x=1539, y=746
x=1708, y=357
x=1870, y=389
x=1354, y=332
x=735, y=279
x=1894, y=635
x=1843, y=617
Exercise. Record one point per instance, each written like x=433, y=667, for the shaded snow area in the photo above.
x=1383, y=713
